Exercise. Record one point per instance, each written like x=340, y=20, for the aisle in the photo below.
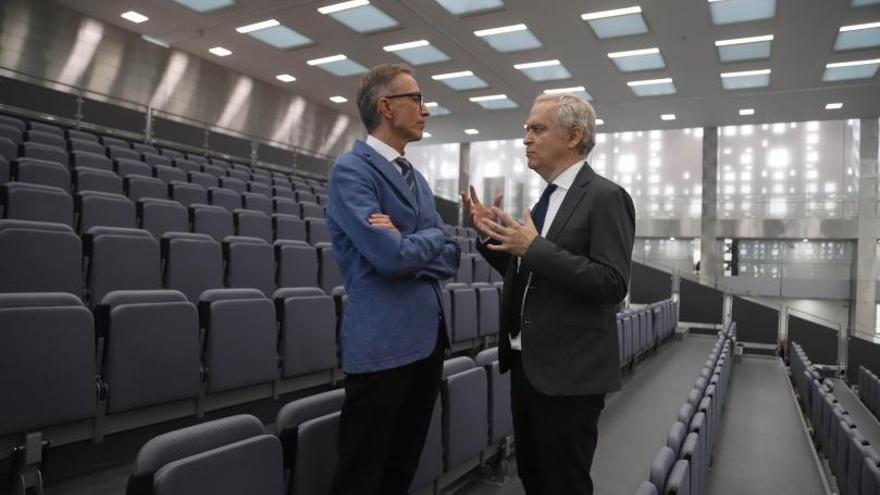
x=762, y=447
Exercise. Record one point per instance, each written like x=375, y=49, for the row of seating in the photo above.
x=641, y=329
x=854, y=462
x=681, y=466
x=869, y=390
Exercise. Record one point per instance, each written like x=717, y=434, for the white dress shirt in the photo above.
x=386, y=151
x=563, y=183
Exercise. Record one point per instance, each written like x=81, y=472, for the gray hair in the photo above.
x=571, y=113
x=377, y=82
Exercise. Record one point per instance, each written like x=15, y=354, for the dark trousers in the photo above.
x=385, y=419
x=555, y=437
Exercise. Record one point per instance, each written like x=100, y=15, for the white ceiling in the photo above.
x=804, y=31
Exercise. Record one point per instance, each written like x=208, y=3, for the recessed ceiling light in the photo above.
x=452, y=75
x=477, y=99
x=573, y=89
x=833, y=106
x=649, y=82
x=746, y=73
x=338, y=7
x=326, y=60
x=534, y=65
x=134, y=17
x=258, y=26
x=858, y=27
x=155, y=41
x=285, y=78
x=405, y=46
x=611, y=13
x=426, y=134
x=338, y=99
x=740, y=41
x=634, y=53
x=852, y=63
x=746, y=111
x=471, y=132
x=431, y=104
x=600, y=122
x=500, y=30
x=667, y=116
x=220, y=51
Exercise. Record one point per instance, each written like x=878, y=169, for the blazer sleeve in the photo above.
x=353, y=198
x=445, y=264
x=603, y=274
x=499, y=260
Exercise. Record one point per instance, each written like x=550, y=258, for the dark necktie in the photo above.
x=521, y=280
x=406, y=170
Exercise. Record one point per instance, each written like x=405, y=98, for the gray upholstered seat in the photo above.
x=127, y=166
x=259, y=187
x=311, y=210
x=100, y=209
x=187, y=165
x=250, y=263
x=120, y=259
x=283, y=192
x=76, y=145
x=93, y=179
x=193, y=263
x=500, y=417
x=258, y=202
x=158, y=216
x=82, y=135
x=138, y=186
x=661, y=466
x=48, y=138
x=92, y=160
x=465, y=411
x=169, y=174
x=205, y=180
x=328, y=271
x=42, y=172
x=253, y=223
x=117, y=142
x=43, y=152
x=234, y=184
x=152, y=159
x=39, y=257
x=464, y=314
x=296, y=264
x=187, y=194
x=646, y=488
x=308, y=331
x=285, y=206
x=22, y=201
x=289, y=227
x=226, y=198
x=118, y=152
x=215, y=221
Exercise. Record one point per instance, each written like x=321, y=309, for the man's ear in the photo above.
x=576, y=136
x=384, y=108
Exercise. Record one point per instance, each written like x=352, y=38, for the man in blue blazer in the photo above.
x=392, y=251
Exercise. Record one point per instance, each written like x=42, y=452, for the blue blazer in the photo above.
x=392, y=281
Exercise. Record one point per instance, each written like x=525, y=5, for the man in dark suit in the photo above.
x=565, y=271
x=392, y=251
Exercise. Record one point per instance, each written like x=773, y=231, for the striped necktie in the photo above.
x=406, y=169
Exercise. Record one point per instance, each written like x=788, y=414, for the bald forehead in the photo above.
x=542, y=113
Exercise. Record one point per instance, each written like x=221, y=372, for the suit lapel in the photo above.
x=391, y=174
x=572, y=199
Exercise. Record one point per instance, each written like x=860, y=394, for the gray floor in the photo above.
x=762, y=447
x=861, y=416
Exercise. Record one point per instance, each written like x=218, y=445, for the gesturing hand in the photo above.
x=382, y=221
x=513, y=237
x=478, y=212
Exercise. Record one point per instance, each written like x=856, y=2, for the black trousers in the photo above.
x=385, y=419
x=555, y=437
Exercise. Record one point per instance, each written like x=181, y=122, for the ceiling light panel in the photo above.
x=338, y=65
x=471, y=132
x=745, y=79
x=653, y=87
x=733, y=11
x=285, y=78
x=508, y=39
x=752, y=48
x=667, y=116
x=203, y=6
x=465, y=7
x=833, y=106
x=579, y=91
x=545, y=70
x=858, y=37
x=600, y=122
x=338, y=99
x=494, y=102
x=135, y=17
x=856, y=69
x=436, y=109
x=419, y=52
x=862, y=3
x=746, y=111
x=616, y=23
x=220, y=51
x=636, y=60
x=360, y=16
x=461, y=81
x=274, y=34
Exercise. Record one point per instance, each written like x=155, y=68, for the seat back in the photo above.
x=139, y=186
x=39, y=257
x=93, y=179
x=465, y=410
x=227, y=198
x=120, y=259
x=158, y=216
x=288, y=227
x=250, y=263
x=252, y=223
x=22, y=201
x=42, y=172
x=193, y=263
x=296, y=264
x=99, y=209
x=308, y=330
x=328, y=271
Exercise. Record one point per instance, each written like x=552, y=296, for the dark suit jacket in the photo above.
x=580, y=272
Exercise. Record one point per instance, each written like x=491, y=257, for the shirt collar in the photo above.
x=566, y=178
x=383, y=149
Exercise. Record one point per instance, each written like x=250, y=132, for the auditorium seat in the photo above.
x=47, y=138
x=99, y=209
x=306, y=197
x=238, y=174
x=259, y=187
x=308, y=331
x=215, y=221
x=201, y=160
x=481, y=269
x=676, y=436
x=170, y=153
x=168, y=174
x=41, y=172
x=646, y=488
x=81, y=135
x=871, y=472
x=39, y=257
x=158, y=216
x=488, y=310
x=138, y=186
x=213, y=170
x=464, y=314
x=314, y=210
x=120, y=259
x=289, y=227
x=250, y=263
x=317, y=230
x=151, y=348
x=500, y=416
x=430, y=465
x=192, y=263
x=144, y=148
x=240, y=338
x=661, y=467
x=465, y=274
x=82, y=146
x=678, y=482
x=91, y=160
x=43, y=152
x=226, y=198
x=118, y=153
x=93, y=179
x=465, y=411
x=187, y=194
x=47, y=362
x=227, y=456
x=13, y=122
x=285, y=206
x=328, y=271
x=47, y=128
x=233, y=184
x=126, y=166
x=187, y=166
x=309, y=431
x=8, y=152
x=283, y=192
x=207, y=181
x=22, y=201
x=296, y=264
x=261, y=177
x=257, y=202
x=112, y=141
x=252, y=223
x=153, y=159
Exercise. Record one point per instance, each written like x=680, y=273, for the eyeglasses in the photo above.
x=415, y=95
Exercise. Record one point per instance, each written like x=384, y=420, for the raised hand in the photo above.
x=512, y=237
x=478, y=212
x=382, y=221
